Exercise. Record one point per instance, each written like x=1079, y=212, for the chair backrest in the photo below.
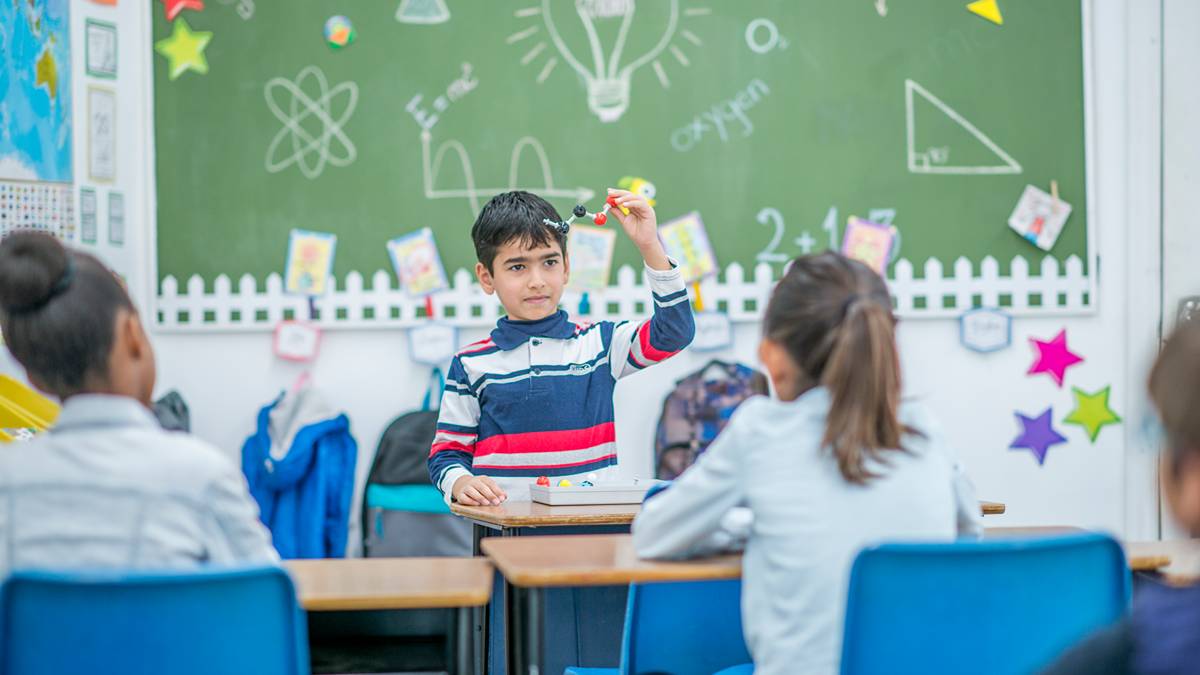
x=211, y=621
x=683, y=627
x=1000, y=606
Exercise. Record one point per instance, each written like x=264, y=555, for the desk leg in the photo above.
x=460, y=642
x=524, y=626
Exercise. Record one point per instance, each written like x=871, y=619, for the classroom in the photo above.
x=323, y=328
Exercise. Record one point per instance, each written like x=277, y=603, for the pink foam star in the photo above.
x=1054, y=357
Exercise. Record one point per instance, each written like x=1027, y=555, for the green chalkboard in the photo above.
x=774, y=120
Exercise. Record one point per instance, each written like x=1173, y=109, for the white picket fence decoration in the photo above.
x=383, y=305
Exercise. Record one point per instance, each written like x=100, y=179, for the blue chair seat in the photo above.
x=222, y=622
x=999, y=606
x=680, y=627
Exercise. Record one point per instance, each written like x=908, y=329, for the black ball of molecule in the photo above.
x=564, y=228
x=580, y=211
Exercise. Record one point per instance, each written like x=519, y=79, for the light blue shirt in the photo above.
x=107, y=487
x=807, y=522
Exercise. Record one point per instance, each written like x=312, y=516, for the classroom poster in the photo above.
x=1039, y=217
x=102, y=135
x=88, y=216
x=44, y=207
x=309, y=262
x=590, y=250
x=101, y=49
x=869, y=243
x=418, y=264
x=116, y=218
x=686, y=242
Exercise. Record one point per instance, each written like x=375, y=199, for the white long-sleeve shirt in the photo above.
x=808, y=522
x=108, y=488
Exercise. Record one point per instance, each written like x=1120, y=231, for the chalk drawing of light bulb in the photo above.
x=606, y=41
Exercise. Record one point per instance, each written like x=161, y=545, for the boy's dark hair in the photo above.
x=515, y=216
x=1175, y=390
x=58, y=310
x=833, y=315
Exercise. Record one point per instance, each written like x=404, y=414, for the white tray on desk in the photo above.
x=615, y=492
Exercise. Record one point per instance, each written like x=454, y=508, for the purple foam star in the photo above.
x=1037, y=434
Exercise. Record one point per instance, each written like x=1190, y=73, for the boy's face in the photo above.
x=529, y=281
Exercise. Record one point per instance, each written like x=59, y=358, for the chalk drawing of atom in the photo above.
x=313, y=116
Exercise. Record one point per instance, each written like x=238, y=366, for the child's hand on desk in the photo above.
x=477, y=491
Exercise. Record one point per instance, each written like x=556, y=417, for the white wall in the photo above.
x=226, y=377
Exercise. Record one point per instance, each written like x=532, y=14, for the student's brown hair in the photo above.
x=834, y=317
x=1175, y=390
x=58, y=311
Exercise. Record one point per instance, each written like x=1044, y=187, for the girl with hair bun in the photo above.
x=106, y=486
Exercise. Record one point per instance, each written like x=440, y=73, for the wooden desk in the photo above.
x=1141, y=557
x=391, y=583
x=991, y=508
x=1177, y=561
x=346, y=596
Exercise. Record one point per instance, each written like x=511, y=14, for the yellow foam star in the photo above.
x=1091, y=411
x=184, y=49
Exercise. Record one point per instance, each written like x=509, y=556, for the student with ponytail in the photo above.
x=832, y=463
x=106, y=486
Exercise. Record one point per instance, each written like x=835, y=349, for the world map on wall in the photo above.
x=35, y=105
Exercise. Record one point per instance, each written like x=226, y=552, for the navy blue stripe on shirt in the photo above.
x=546, y=471
x=439, y=462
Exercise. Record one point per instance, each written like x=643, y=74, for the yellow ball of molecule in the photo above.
x=564, y=483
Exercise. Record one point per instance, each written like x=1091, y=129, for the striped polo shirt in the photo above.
x=536, y=397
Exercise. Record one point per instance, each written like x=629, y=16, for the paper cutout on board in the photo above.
x=590, y=251
x=339, y=32
x=172, y=8
x=1037, y=435
x=987, y=9
x=687, y=243
x=1053, y=357
x=1092, y=412
x=869, y=243
x=947, y=143
x=985, y=330
x=417, y=263
x=714, y=332
x=184, y=50
x=433, y=343
x=1039, y=218
x=297, y=341
x=309, y=262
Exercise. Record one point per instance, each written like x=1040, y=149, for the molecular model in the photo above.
x=580, y=211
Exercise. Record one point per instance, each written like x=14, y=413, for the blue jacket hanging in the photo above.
x=300, y=467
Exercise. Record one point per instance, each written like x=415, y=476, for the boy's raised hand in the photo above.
x=477, y=491
x=641, y=225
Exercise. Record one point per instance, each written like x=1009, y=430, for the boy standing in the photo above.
x=536, y=397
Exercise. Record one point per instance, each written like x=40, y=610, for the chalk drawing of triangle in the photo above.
x=933, y=159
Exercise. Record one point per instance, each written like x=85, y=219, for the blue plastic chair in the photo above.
x=204, y=622
x=1000, y=606
x=680, y=627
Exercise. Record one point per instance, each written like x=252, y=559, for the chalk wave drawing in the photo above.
x=432, y=165
x=936, y=159
x=607, y=79
x=295, y=144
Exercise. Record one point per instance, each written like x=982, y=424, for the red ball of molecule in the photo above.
x=612, y=201
x=600, y=219
x=543, y=480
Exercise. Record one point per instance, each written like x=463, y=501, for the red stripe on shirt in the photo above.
x=449, y=445
x=547, y=441
x=649, y=350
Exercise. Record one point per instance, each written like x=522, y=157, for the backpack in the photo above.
x=697, y=410
x=403, y=515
